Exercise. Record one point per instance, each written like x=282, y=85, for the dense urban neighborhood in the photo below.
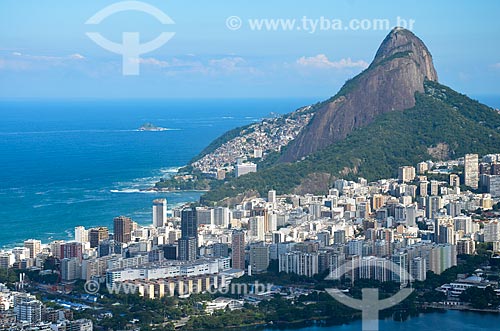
x=438, y=222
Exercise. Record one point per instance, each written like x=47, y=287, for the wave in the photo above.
x=42, y=205
x=133, y=190
x=140, y=185
x=170, y=170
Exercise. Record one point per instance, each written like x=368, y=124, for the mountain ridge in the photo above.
x=392, y=114
x=394, y=139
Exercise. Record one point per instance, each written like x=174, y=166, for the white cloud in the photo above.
x=321, y=61
x=75, y=56
x=154, y=62
x=227, y=63
x=496, y=65
x=21, y=61
x=192, y=65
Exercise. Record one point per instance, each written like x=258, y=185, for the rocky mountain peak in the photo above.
x=401, y=66
x=403, y=42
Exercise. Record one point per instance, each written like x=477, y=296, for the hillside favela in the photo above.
x=319, y=172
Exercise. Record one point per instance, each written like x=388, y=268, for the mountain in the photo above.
x=394, y=113
x=400, y=67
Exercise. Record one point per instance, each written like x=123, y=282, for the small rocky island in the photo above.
x=151, y=127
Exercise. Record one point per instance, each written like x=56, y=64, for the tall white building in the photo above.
x=27, y=308
x=222, y=216
x=300, y=263
x=159, y=212
x=81, y=235
x=257, y=227
x=492, y=231
x=471, y=164
x=271, y=196
x=34, y=246
x=406, y=174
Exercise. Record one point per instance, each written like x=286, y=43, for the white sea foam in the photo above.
x=133, y=191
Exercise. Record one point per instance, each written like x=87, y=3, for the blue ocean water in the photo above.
x=81, y=162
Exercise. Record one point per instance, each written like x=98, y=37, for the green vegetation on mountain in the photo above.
x=440, y=116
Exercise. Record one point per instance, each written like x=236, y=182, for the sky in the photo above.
x=218, y=49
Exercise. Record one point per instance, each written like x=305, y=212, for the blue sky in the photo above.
x=44, y=51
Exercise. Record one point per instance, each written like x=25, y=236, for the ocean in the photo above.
x=66, y=163
x=82, y=162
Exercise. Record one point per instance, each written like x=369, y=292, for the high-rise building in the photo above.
x=28, y=309
x=71, y=269
x=122, y=227
x=466, y=246
x=422, y=168
x=81, y=235
x=259, y=257
x=238, y=250
x=434, y=187
x=96, y=235
x=406, y=174
x=339, y=237
x=205, y=216
x=423, y=188
x=300, y=263
x=492, y=231
x=471, y=164
x=411, y=215
x=55, y=248
x=271, y=196
x=417, y=269
x=159, y=212
x=442, y=257
x=434, y=204
x=257, y=227
x=463, y=223
x=189, y=223
x=188, y=243
x=70, y=250
x=222, y=216
x=401, y=261
x=188, y=248
x=378, y=200
x=34, y=246
x=493, y=185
